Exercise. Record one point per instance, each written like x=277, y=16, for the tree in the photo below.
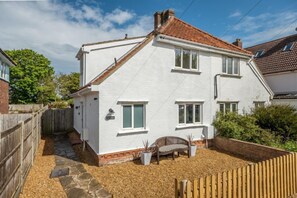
x=31, y=80
x=67, y=84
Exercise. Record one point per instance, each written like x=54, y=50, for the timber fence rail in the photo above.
x=18, y=145
x=273, y=178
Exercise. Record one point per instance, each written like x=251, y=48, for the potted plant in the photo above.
x=146, y=154
x=193, y=147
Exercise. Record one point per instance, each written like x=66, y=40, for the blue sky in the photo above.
x=58, y=28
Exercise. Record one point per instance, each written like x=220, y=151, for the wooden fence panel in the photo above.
x=57, y=120
x=17, y=146
x=271, y=178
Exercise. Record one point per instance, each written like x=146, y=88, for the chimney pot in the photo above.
x=238, y=43
x=157, y=20
x=162, y=17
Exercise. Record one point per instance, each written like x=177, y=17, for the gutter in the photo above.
x=81, y=92
x=199, y=46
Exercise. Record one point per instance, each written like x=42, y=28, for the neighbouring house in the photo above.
x=277, y=60
x=5, y=64
x=168, y=83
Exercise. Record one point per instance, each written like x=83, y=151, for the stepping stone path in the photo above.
x=74, y=178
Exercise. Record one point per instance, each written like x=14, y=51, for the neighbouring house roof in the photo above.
x=182, y=30
x=174, y=27
x=274, y=59
x=6, y=56
x=285, y=96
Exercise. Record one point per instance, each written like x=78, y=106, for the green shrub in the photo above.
x=59, y=104
x=290, y=146
x=281, y=120
x=243, y=127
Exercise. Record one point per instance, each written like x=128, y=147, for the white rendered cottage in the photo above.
x=169, y=83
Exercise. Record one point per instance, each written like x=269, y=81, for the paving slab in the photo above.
x=75, y=180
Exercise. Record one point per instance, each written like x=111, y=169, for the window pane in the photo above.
x=222, y=108
x=7, y=73
x=227, y=106
x=1, y=69
x=234, y=107
x=194, y=60
x=186, y=59
x=138, y=116
x=236, y=66
x=181, y=114
x=127, y=116
x=177, y=57
x=197, y=113
x=224, y=65
x=229, y=65
x=189, y=113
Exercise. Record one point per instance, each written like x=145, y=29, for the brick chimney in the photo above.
x=161, y=17
x=238, y=43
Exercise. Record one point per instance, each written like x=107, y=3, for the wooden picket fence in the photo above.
x=18, y=145
x=274, y=178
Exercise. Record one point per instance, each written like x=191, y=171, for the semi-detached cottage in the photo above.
x=168, y=83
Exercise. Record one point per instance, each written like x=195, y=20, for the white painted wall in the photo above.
x=100, y=56
x=88, y=113
x=282, y=82
x=292, y=102
x=148, y=76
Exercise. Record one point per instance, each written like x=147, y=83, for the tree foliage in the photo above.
x=31, y=81
x=67, y=84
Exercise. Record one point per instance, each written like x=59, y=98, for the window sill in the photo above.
x=178, y=127
x=185, y=71
x=132, y=131
x=231, y=76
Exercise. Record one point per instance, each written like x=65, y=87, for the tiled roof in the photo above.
x=179, y=29
x=176, y=28
x=274, y=60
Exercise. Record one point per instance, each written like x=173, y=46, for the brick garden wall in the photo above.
x=250, y=150
x=4, y=96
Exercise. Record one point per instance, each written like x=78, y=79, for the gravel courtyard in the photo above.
x=131, y=179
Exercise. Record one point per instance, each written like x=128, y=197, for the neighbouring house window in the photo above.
x=4, y=71
x=288, y=47
x=226, y=107
x=186, y=59
x=189, y=113
x=259, y=104
x=259, y=53
x=133, y=116
x=230, y=65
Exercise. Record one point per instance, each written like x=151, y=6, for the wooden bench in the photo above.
x=169, y=145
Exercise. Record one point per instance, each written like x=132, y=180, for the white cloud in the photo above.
x=58, y=30
x=235, y=14
x=264, y=27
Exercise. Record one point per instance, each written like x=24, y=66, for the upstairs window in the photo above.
x=259, y=53
x=226, y=107
x=288, y=47
x=186, y=59
x=230, y=65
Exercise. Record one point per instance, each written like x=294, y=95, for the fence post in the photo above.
x=32, y=137
x=22, y=151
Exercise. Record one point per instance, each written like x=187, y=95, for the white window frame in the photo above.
x=224, y=58
x=231, y=107
x=181, y=60
x=185, y=119
x=259, y=104
x=132, y=116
